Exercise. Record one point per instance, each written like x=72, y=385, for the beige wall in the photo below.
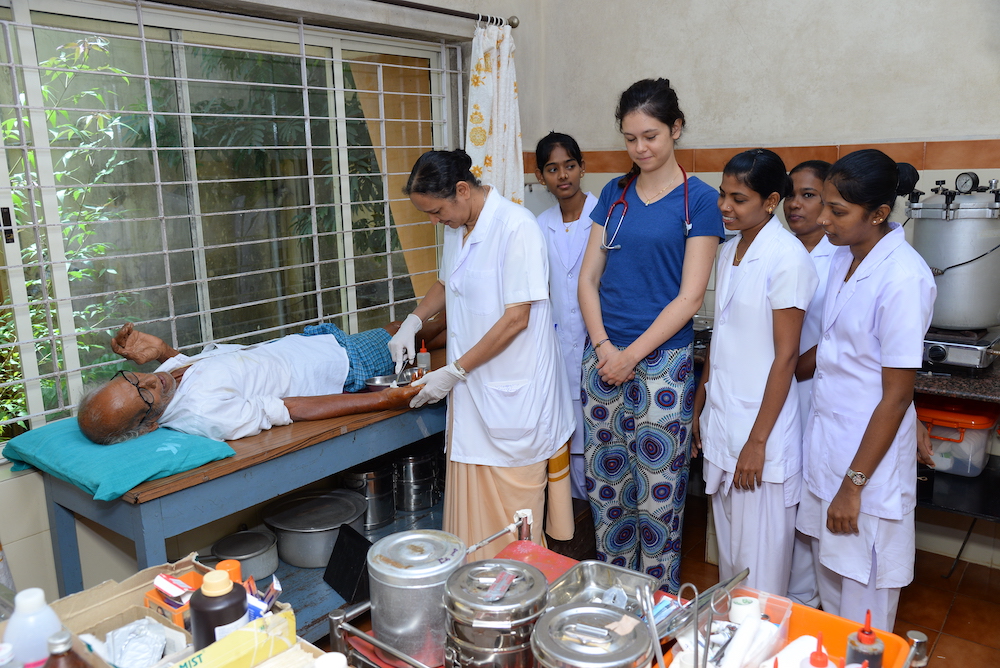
x=767, y=72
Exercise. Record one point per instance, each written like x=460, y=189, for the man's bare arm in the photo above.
x=337, y=405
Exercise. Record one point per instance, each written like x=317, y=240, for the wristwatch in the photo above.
x=458, y=367
x=857, y=477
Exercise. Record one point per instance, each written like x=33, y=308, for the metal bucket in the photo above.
x=407, y=572
x=492, y=607
x=377, y=487
x=307, y=524
x=416, y=487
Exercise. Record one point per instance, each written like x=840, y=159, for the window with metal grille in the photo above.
x=208, y=177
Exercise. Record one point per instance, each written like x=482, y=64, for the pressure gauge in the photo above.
x=966, y=182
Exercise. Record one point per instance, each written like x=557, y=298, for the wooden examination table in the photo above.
x=265, y=466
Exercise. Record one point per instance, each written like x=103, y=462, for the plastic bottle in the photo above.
x=233, y=567
x=863, y=645
x=330, y=660
x=794, y=653
x=819, y=658
x=217, y=609
x=61, y=653
x=423, y=358
x=7, y=659
x=30, y=626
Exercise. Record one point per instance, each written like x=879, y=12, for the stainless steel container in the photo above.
x=591, y=636
x=407, y=572
x=416, y=487
x=955, y=234
x=377, y=488
x=307, y=524
x=257, y=552
x=492, y=607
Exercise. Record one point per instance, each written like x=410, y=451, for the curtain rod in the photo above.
x=513, y=21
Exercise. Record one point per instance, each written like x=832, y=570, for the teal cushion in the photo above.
x=108, y=471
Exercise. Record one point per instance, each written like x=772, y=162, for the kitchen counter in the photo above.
x=960, y=384
x=984, y=388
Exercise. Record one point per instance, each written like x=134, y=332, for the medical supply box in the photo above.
x=960, y=431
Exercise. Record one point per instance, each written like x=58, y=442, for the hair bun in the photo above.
x=907, y=179
x=463, y=159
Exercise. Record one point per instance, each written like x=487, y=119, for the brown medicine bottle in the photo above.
x=61, y=653
x=217, y=609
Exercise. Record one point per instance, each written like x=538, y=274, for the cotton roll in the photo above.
x=743, y=608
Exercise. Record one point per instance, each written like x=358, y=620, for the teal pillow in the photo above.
x=108, y=471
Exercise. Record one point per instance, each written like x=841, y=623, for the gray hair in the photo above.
x=94, y=422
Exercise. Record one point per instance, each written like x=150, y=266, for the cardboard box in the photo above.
x=253, y=644
x=89, y=607
x=111, y=605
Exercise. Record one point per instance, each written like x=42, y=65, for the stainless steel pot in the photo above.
x=416, y=487
x=407, y=572
x=591, y=636
x=307, y=524
x=257, y=552
x=949, y=231
x=492, y=607
x=377, y=488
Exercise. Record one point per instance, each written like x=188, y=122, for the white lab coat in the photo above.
x=515, y=409
x=821, y=255
x=776, y=273
x=876, y=319
x=565, y=250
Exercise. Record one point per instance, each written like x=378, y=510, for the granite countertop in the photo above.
x=985, y=387
x=960, y=383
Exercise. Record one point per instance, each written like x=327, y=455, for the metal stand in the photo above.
x=339, y=619
x=958, y=556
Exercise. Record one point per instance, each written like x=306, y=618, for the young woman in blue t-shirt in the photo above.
x=644, y=275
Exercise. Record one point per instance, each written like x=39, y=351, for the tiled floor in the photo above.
x=960, y=614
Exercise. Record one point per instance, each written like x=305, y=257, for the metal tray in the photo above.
x=587, y=582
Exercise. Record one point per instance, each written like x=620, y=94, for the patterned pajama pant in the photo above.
x=637, y=445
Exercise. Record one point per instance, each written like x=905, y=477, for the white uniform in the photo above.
x=876, y=320
x=755, y=529
x=232, y=391
x=515, y=409
x=566, y=243
x=802, y=583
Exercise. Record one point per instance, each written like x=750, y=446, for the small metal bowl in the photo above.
x=379, y=383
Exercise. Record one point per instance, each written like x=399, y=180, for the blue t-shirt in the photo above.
x=644, y=275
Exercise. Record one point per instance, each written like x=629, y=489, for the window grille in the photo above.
x=231, y=183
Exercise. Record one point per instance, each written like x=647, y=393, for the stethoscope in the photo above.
x=621, y=200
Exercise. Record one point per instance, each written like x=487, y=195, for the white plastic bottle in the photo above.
x=30, y=626
x=424, y=358
x=819, y=658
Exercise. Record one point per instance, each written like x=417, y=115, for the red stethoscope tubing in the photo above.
x=621, y=200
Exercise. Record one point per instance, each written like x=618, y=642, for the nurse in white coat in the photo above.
x=566, y=228
x=510, y=415
x=802, y=207
x=749, y=429
x=860, y=478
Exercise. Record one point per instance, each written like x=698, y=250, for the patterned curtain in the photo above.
x=493, y=138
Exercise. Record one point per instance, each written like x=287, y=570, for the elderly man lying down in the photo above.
x=230, y=391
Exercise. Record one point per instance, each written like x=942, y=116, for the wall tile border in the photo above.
x=959, y=154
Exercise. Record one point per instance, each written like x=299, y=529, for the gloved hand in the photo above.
x=437, y=385
x=403, y=346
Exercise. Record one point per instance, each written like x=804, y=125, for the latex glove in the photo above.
x=436, y=385
x=403, y=346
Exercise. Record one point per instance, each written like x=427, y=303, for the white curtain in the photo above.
x=493, y=137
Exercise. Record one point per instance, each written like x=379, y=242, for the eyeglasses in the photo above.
x=144, y=394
